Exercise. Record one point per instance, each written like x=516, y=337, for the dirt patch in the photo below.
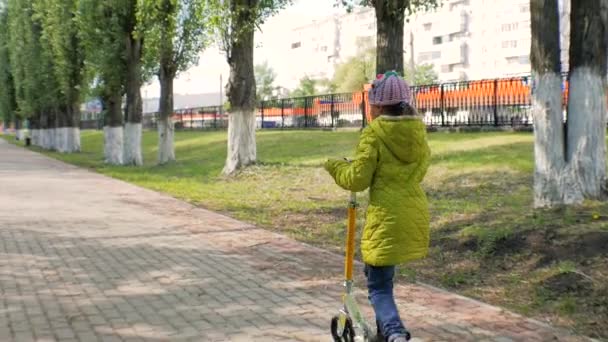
x=567, y=283
x=578, y=247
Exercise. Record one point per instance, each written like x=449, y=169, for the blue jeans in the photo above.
x=380, y=288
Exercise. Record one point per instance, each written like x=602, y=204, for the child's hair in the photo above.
x=397, y=110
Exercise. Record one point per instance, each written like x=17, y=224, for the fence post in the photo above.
x=282, y=113
x=215, y=116
x=306, y=112
x=363, y=110
x=442, y=107
x=262, y=110
x=495, y=102
x=331, y=109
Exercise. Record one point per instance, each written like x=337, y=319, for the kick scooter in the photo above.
x=349, y=325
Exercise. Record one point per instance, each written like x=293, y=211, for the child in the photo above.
x=391, y=159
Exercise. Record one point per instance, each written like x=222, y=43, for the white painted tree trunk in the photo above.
x=53, y=139
x=46, y=139
x=113, y=145
x=67, y=139
x=166, y=132
x=49, y=141
x=74, y=139
x=20, y=134
x=42, y=139
x=241, y=141
x=548, y=140
x=132, y=153
x=586, y=152
x=61, y=139
x=34, y=136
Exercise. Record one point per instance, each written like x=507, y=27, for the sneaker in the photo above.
x=399, y=338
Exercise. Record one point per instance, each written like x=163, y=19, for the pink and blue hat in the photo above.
x=389, y=89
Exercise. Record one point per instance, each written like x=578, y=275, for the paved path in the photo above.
x=88, y=258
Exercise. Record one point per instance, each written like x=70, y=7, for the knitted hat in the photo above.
x=390, y=89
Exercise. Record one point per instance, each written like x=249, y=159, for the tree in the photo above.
x=359, y=70
x=175, y=37
x=60, y=34
x=326, y=86
x=351, y=75
x=36, y=88
x=235, y=22
x=7, y=89
x=586, y=125
x=264, y=81
x=308, y=87
x=102, y=28
x=133, y=29
x=424, y=74
x=390, y=18
x=570, y=160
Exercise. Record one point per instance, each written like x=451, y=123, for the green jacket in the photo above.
x=391, y=159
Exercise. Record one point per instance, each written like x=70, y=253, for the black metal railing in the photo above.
x=498, y=102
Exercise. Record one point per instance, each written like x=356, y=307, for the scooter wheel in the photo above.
x=349, y=332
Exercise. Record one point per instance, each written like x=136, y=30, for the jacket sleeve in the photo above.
x=356, y=175
x=424, y=163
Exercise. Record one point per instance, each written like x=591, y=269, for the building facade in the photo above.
x=463, y=40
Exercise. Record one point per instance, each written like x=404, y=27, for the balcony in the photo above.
x=454, y=53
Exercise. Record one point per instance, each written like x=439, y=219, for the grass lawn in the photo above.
x=487, y=242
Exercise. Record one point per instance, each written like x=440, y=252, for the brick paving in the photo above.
x=87, y=258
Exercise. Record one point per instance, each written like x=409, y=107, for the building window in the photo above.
x=427, y=56
x=324, y=48
x=296, y=45
x=524, y=60
x=423, y=57
x=427, y=26
x=510, y=27
x=454, y=36
x=447, y=68
x=525, y=8
x=509, y=44
x=437, y=40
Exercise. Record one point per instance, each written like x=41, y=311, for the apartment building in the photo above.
x=313, y=50
x=463, y=39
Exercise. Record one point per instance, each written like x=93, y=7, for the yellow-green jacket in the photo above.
x=391, y=159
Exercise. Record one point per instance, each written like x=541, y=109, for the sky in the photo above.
x=205, y=77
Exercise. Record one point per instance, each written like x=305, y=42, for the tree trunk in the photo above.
x=73, y=128
x=166, y=151
x=34, y=129
x=547, y=104
x=133, y=108
x=61, y=129
x=241, y=94
x=586, y=124
x=18, y=129
x=390, y=17
x=42, y=128
x=113, y=131
x=67, y=132
x=48, y=133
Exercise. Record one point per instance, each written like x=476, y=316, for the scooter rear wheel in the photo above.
x=349, y=332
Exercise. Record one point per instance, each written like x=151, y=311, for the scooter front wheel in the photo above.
x=348, y=335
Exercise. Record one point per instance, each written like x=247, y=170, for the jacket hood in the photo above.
x=404, y=136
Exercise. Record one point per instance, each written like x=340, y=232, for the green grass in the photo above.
x=487, y=242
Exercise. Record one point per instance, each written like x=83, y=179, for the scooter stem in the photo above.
x=350, y=237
